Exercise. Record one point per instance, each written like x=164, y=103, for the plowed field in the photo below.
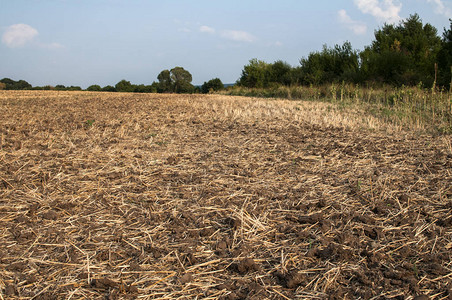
x=134, y=196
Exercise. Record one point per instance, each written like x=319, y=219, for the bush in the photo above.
x=124, y=86
x=94, y=88
x=212, y=85
x=15, y=85
x=108, y=88
x=73, y=88
x=143, y=88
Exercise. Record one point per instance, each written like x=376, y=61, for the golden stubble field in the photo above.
x=147, y=196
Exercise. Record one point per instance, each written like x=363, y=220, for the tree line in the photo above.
x=176, y=80
x=409, y=54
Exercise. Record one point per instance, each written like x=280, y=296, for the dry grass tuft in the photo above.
x=125, y=196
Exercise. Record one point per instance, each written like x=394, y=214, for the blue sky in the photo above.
x=84, y=42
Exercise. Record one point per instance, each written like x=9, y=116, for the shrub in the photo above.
x=94, y=88
x=212, y=85
x=108, y=88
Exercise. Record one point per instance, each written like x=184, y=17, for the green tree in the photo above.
x=402, y=54
x=280, y=72
x=16, y=85
x=22, y=85
x=143, y=88
x=73, y=88
x=108, y=88
x=181, y=80
x=154, y=87
x=9, y=83
x=336, y=64
x=385, y=67
x=176, y=80
x=124, y=86
x=254, y=75
x=94, y=88
x=445, y=58
x=212, y=85
x=165, y=82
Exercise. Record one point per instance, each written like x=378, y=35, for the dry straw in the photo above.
x=124, y=196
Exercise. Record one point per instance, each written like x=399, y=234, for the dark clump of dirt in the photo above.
x=11, y=290
x=291, y=280
x=245, y=266
x=186, y=278
x=310, y=219
x=208, y=196
x=333, y=252
x=104, y=283
x=50, y=215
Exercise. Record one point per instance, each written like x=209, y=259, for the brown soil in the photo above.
x=124, y=196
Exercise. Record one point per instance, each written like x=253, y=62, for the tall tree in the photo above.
x=255, y=74
x=280, y=72
x=165, y=84
x=445, y=58
x=402, y=54
x=330, y=65
x=181, y=79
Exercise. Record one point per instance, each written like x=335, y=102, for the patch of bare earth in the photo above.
x=126, y=196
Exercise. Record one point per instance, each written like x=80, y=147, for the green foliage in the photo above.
x=181, y=80
x=280, y=72
x=177, y=80
x=445, y=58
x=212, y=85
x=144, y=88
x=255, y=74
x=73, y=88
x=15, y=85
x=89, y=123
x=413, y=107
x=165, y=82
x=124, y=86
x=94, y=88
x=402, y=54
x=259, y=74
x=60, y=87
x=330, y=65
x=154, y=87
x=108, y=88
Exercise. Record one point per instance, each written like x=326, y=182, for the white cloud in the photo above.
x=358, y=28
x=18, y=35
x=440, y=8
x=238, y=36
x=207, y=29
x=384, y=11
